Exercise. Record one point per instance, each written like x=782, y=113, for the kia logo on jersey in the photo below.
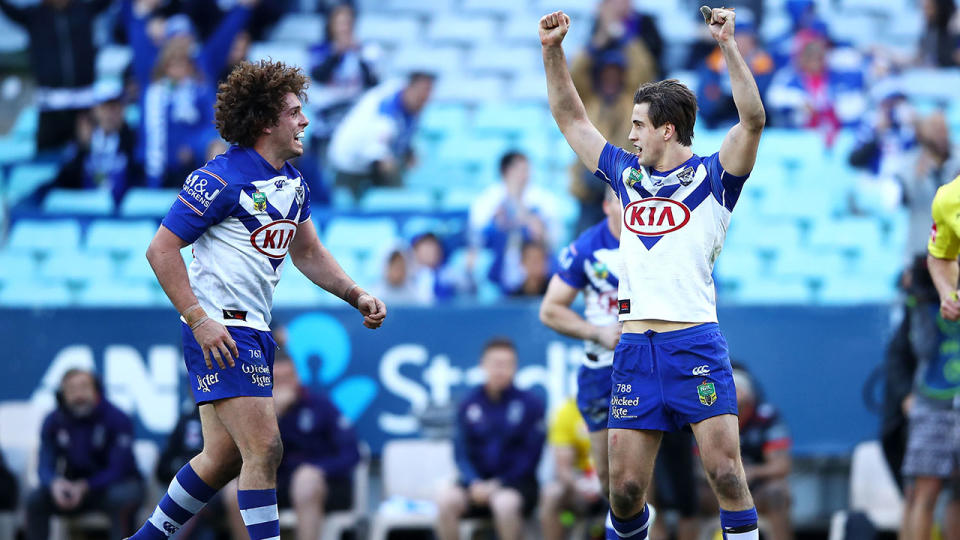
x=655, y=216
x=273, y=239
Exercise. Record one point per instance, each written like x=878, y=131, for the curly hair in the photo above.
x=251, y=99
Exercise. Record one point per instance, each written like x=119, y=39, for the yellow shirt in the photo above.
x=945, y=235
x=569, y=429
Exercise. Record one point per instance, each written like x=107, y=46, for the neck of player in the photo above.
x=673, y=156
x=274, y=158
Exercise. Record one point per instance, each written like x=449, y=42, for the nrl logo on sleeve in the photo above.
x=634, y=176
x=259, y=201
x=707, y=393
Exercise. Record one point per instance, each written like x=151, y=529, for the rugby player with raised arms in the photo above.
x=671, y=368
x=243, y=211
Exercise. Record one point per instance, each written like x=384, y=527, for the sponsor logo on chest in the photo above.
x=273, y=239
x=655, y=216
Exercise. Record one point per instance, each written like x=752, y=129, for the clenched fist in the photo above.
x=553, y=27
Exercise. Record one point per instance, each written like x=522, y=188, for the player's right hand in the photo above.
x=215, y=342
x=553, y=28
x=950, y=309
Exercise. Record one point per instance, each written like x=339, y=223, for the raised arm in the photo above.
x=739, y=149
x=565, y=104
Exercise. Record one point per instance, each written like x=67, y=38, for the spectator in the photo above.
x=765, y=449
x=343, y=69
x=238, y=53
x=177, y=117
x=432, y=278
x=714, y=95
x=86, y=460
x=103, y=154
x=803, y=17
x=320, y=451
x=933, y=440
x=505, y=216
x=373, y=143
x=675, y=487
x=939, y=42
x=885, y=136
x=617, y=25
x=499, y=440
x=396, y=285
x=535, y=262
x=62, y=58
x=575, y=485
x=933, y=163
x=805, y=93
x=606, y=83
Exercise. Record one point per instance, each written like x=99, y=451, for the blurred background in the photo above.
x=440, y=183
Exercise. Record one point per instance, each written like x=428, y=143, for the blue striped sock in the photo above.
x=739, y=525
x=187, y=494
x=634, y=528
x=259, y=510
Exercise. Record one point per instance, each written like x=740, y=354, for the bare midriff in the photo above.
x=641, y=326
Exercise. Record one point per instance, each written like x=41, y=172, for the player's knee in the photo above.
x=603, y=473
x=727, y=482
x=626, y=495
x=506, y=503
x=271, y=450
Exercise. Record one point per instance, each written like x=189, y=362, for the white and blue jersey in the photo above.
x=592, y=264
x=674, y=224
x=240, y=214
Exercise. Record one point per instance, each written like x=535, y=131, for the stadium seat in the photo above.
x=857, y=289
x=522, y=29
x=505, y=117
x=748, y=231
x=501, y=8
x=26, y=123
x=774, y=291
x=873, y=491
x=294, y=54
x=147, y=202
x=13, y=38
x=25, y=179
x=440, y=60
x=441, y=120
x=112, y=60
x=473, y=150
x=393, y=29
x=299, y=28
x=16, y=265
x=111, y=293
x=95, y=202
x=849, y=233
x=17, y=149
x=461, y=30
x=402, y=199
x=738, y=264
x=32, y=293
x=458, y=198
x=504, y=60
x=44, y=235
x=468, y=89
x=77, y=267
x=818, y=264
x=412, y=471
x=122, y=237
x=418, y=7
x=530, y=87
x=295, y=290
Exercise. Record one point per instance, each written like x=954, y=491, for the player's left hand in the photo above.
x=373, y=309
x=721, y=24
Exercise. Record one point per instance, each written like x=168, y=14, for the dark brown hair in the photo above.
x=251, y=99
x=499, y=342
x=670, y=101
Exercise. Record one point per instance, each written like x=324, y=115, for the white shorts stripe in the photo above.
x=163, y=522
x=185, y=500
x=261, y=514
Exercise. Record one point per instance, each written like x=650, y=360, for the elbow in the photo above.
x=546, y=313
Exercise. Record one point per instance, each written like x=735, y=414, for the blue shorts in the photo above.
x=664, y=381
x=252, y=374
x=593, y=396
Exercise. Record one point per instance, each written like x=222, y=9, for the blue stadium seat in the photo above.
x=44, y=235
x=774, y=291
x=302, y=28
x=16, y=265
x=121, y=236
x=397, y=199
x=748, y=231
x=739, y=264
x=860, y=289
x=467, y=89
x=810, y=263
x=295, y=290
x=530, y=87
x=17, y=149
x=147, y=202
x=442, y=120
x=25, y=179
x=420, y=7
x=496, y=117
x=849, y=233
x=439, y=60
x=808, y=203
x=137, y=268
x=393, y=29
x=501, y=8
x=96, y=202
x=34, y=294
x=517, y=29
x=26, y=122
x=365, y=236
x=475, y=150
x=77, y=267
x=111, y=293
x=294, y=54
x=458, y=198
x=460, y=29
x=505, y=60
